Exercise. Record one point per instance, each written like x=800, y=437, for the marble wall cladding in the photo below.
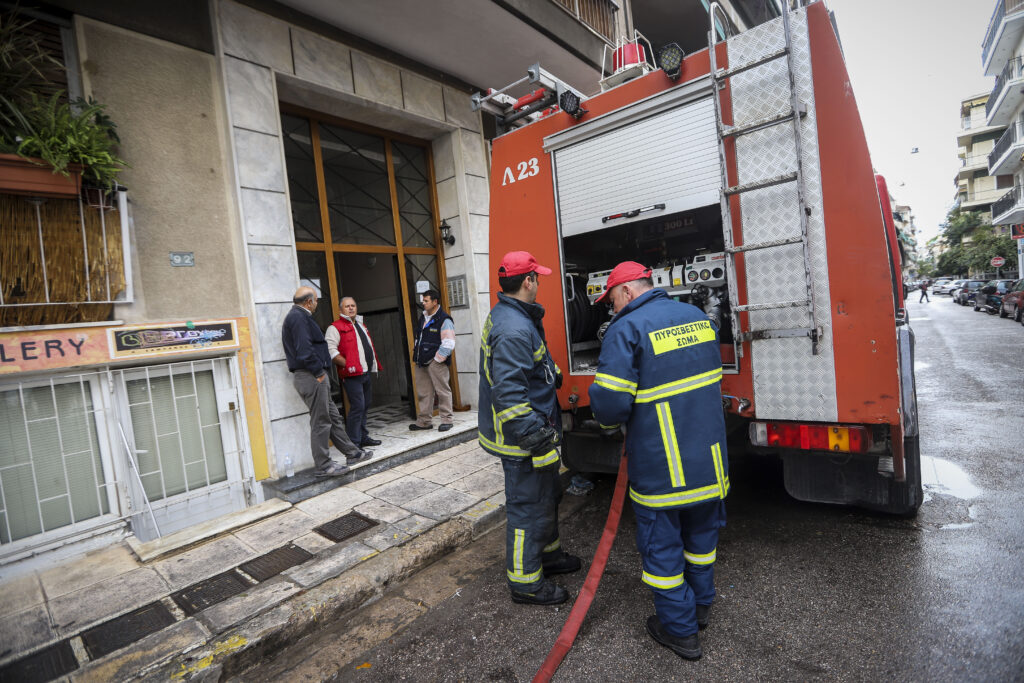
x=457, y=110
x=282, y=398
x=259, y=161
x=267, y=217
x=478, y=195
x=448, y=198
x=322, y=61
x=469, y=387
x=456, y=250
x=275, y=273
x=269, y=318
x=291, y=437
x=377, y=80
x=422, y=96
x=484, y=302
x=444, y=157
x=255, y=37
x=455, y=265
x=474, y=156
x=251, y=96
x=467, y=350
x=482, y=271
x=463, y=319
x=479, y=236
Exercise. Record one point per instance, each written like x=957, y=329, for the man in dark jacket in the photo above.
x=659, y=373
x=308, y=359
x=434, y=335
x=520, y=422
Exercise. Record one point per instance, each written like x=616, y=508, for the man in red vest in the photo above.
x=352, y=352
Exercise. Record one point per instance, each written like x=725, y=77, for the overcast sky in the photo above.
x=910, y=63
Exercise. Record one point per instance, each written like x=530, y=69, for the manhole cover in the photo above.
x=275, y=562
x=125, y=630
x=199, y=596
x=45, y=665
x=345, y=526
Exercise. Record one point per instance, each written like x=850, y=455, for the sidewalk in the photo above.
x=214, y=607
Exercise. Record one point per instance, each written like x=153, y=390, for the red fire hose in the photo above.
x=586, y=596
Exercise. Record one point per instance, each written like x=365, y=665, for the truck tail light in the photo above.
x=812, y=437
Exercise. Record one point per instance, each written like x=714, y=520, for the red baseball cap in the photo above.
x=519, y=262
x=627, y=271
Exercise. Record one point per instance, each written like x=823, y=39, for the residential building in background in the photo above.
x=907, y=232
x=977, y=188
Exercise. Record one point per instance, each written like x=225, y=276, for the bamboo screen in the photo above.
x=64, y=238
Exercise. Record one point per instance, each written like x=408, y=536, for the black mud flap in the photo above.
x=588, y=452
x=824, y=478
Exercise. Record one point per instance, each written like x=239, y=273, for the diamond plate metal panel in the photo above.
x=789, y=382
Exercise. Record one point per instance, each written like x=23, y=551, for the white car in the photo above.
x=949, y=287
x=939, y=284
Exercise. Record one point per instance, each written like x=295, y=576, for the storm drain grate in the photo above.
x=344, y=527
x=275, y=562
x=113, y=635
x=45, y=665
x=199, y=596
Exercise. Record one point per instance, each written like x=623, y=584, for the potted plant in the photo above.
x=47, y=143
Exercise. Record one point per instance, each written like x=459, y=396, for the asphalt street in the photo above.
x=805, y=591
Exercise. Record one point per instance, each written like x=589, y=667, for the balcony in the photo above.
x=978, y=200
x=1009, y=208
x=597, y=14
x=1005, y=29
x=1007, y=94
x=1006, y=155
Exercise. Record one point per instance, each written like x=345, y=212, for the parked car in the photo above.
x=948, y=287
x=965, y=295
x=939, y=284
x=1013, y=302
x=990, y=297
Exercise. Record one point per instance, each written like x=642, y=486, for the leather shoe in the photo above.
x=702, y=616
x=361, y=457
x=415, y=427
x=547, y=594
x=369, y=442
x=566, y=564
x=687, y=647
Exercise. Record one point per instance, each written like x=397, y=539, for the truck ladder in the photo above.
x=797, y=110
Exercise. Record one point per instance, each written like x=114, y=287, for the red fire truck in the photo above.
x=741, y=175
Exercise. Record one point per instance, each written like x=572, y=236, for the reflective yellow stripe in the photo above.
x=511, y=413
x=716, y=457
x=675, y=499
x=517, y=551
x=697, y=558
x=558, y=370
x=539, y=353
x=668, y=438
x=615, y=426
x=663, y=391
x=663, y=582
x=485, y=334
x=503, y=449
x=553, y=546
x=525, y=578
x=613, y=383
x=546, y=459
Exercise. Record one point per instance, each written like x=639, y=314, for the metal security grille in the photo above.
x=458, y=297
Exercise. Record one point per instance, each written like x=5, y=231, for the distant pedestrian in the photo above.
x=308, y=359
x=924, y=292
x=352, y=352
x=432, y=354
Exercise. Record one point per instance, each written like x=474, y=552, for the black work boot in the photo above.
x=703, y=611
x=547, y=594
x=566, y=564
x=687, y=647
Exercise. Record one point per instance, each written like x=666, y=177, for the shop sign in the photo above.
x=155, y=340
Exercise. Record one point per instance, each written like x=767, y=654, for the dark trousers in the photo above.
x=325, y=423
x=924, y=296
x=678, y=547
x=531, y=535
x=359, y=390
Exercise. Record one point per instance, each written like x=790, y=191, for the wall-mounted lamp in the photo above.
x=446, y=233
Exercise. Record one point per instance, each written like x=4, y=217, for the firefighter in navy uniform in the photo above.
x=659, y=374
x=520, y=422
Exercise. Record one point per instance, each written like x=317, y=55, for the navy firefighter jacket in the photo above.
x=659, y=373
x=517, y=381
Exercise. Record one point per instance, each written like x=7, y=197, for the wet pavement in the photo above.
x=806, y=592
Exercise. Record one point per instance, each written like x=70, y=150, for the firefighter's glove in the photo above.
x=558, y=380
x=539, y=442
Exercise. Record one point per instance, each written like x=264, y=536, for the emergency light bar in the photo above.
x=811, y=437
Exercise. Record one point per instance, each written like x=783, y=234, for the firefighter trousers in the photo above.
x=677, y=547
x=531, y=535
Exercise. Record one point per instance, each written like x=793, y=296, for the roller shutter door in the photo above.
x=669, y=158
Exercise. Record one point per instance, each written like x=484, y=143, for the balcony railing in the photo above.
x=974, y=160
x=1010, y=72
x=1004, y=143
x=1003, y=7
x=1006, y=202
x=598, y=14
x=984, y=195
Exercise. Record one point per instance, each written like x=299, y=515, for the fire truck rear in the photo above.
x=741, y=175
